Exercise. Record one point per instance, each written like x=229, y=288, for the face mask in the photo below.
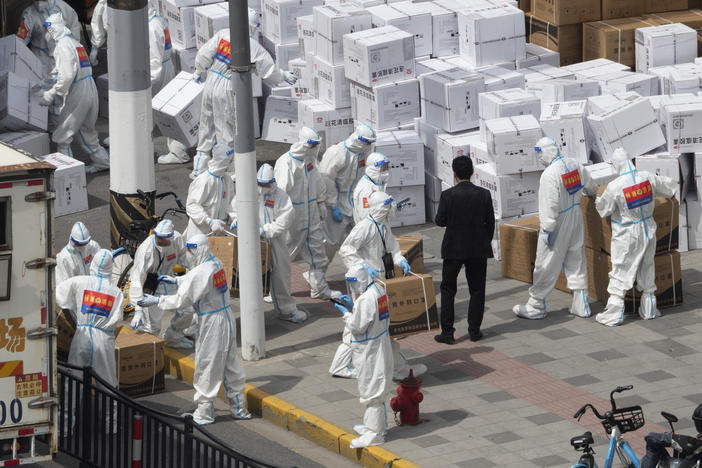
x=353, y=289
x=265, y=189
x=383, y=177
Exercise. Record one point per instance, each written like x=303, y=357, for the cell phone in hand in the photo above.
x=336, y=301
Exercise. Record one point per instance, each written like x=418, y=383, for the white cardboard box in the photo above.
x=301, y=89
x=69, y=184
x=306, y=35
x=431, y=65
x=17, y=58
x=661, y=100
x=444, y=31
x=498, y=78
x=491, y=34
x=208, y=20
x=427, y=133
x=676, y=79
x=330, y=84
x=34, y=143
x=684, y=228
x=666, y=44
x=683, y=126
x=450, y=99
x=694, y=222
x=679, y=168
x=386, y=106
x=405, y=151
x=330, y=23
x=379, y=55
x=284, y=53
x=601, y=173
x=511, y=141
x=545, y=72
x=507, y=103
x=280, y=121
x=512, y=195
x=176, y=109
x=565, y=123
x=279, y=18
x=537, y=55
x=432, y=194
x=181, y=24
x=562, y=90
x=194, y=3
x=334, y=125
x=20, y=107
x=599, y=104
x=103, y=88
x=185, y=59
x=413, y=212
x=448, y=147
x=418, y=24
x=422, y=21
x=619, y=82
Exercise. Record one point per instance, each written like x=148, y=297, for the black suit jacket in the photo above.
x=466, y=212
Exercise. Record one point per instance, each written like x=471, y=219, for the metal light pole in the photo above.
x=131, y=146
x=253, y=333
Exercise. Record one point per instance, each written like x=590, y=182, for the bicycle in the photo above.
x=616, y=422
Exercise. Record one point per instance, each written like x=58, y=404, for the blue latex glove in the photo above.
x=405, y=266
x=347, y=301
x=117, y=251
x=167, y=279
x=233, y=226
x=341, y=309
x=372, y=272
x=336, y=214
x=548, y=238
x=147, y=301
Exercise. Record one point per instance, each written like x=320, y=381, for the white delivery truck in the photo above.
x=28, y=393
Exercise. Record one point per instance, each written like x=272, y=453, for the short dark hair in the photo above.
x=463, y=167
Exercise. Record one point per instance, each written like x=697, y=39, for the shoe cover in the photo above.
x=529, y=312
x=204, y=414
x=298, y=316
x=360, y=429
x=580, y=307
x=183, y=343
x=171, y=158
x=613, y=314
x=237, y=406
x=268, y=299
x=648, y=308
x=366, y=440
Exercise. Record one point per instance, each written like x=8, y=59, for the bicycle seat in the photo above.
x=582, y=440
x=140, y=225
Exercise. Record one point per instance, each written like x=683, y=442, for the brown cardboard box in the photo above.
x=225, y=248
x=525, y=5
x=622, y=8
x=565, y=12
x=598, y=231
x=566, y=40
x=613, y=39
x=412, y=248
x=659, y=6
x=140, y=362
x=412, y=305
x=66, y=329
x=668, y=280
x=690, y=18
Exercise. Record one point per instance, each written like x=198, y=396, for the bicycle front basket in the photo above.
x=627, y=419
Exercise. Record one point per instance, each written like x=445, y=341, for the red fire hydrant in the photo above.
x=407, y=400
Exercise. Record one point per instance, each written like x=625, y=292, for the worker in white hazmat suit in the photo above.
x=367, y=317
x=561, y=244
x=629, y=200
x=74, y=95
x=375, y=179
x=205, y=288
x=296, y=174
x=210, y=195
x=217, y=114
x=372, y=243
x=96, y=307
x=276, y=216
x=75, y=258
x=154, y=258
x=99, y=25
x=342, y=166
x=32, y=32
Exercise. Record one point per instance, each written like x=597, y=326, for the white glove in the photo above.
x=138, y=319
x=218, y=226
x=289, y=77
x=199, y=77
x=322, y=210
x=93, y=56
x=46, y=99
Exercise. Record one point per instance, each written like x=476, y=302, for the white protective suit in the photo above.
x=374, y=180
x=368, y=325
x=561, y=244
x=342, y=166
x=629, y=200
x=99, y=25
x=74, y=95
x=162, y=72
x=210, y=196
x=32, y=32
x=276, y=215
x=217, y=114
x=157, y=260
x=205, y=288
x=296, y=174
x=96, y=306
x=75, y=258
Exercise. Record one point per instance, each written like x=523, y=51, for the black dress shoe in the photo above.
x=476, y=337
x=446, y=339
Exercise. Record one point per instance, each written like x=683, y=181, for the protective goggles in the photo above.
x=537, y=149
x=365, y=140
x=265, y=182
x=191, y=245
x=352, y=279
x=384, y=163
x=163, y=235
x=80, y=242
x=312, y=142
x=46, y=24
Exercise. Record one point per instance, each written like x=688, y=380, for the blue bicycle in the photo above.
x=616, y=422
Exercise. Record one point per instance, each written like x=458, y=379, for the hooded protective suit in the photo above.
x=210, y=196
x=75, y=258
x=99, y=25
x=296, y=174
x=342, y=166
x=217, y=114
x=629, y=200
x=205, y=288
x=374, y=180
x=96, y=306
x=561, y=242
x=276, y=215
x=152, y=258
x=32, y=32
x=74, y=95
x=368, y=324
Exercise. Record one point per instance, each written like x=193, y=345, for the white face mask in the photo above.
x=265, y=189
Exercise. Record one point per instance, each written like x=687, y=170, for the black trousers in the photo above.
x=476, y=269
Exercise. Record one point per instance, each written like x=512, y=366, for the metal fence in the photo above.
x=103, y=427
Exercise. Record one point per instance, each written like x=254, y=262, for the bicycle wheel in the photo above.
x=624, y=459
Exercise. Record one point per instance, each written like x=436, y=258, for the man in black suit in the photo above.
x=465, y=210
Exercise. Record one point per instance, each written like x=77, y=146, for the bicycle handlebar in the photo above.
x=578, y=414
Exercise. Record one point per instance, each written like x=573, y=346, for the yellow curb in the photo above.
x=294, y=419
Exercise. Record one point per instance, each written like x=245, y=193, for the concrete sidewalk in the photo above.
x=507, y=400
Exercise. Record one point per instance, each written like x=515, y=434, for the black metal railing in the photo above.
x=101, y=426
